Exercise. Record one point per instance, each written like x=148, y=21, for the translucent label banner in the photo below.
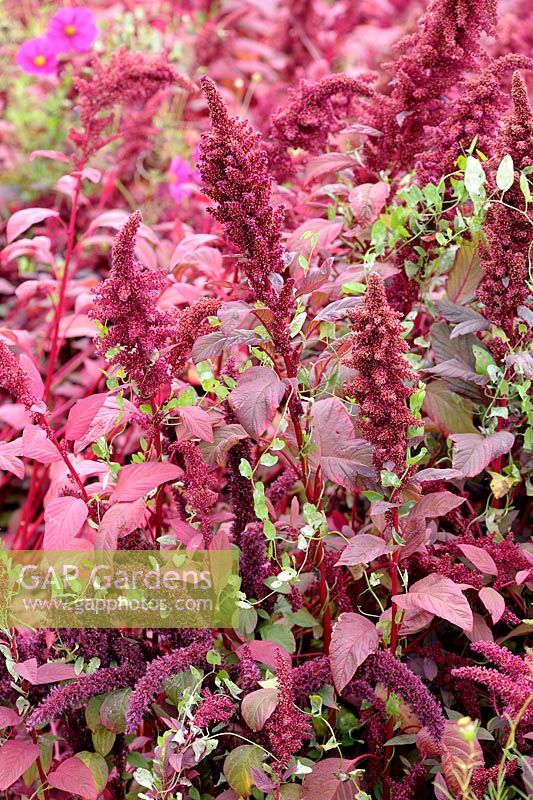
x=119, y=589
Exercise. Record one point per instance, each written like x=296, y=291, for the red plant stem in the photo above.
x=28, y=507
x=51, y=435
x=312, y=494
x=395, y=588
x=40, y=770
x=159, y=453
x=54, y=349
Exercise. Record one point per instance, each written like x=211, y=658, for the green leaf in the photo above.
x=260, y=507
x=505, y=173
x=280, y=634
x=137, y=760
x=245, y=468
x=269, y=529
x=213, y=657
x=113, y=710
x=483, y=359
x=474, y=176
x=144, y=778
x=92, y=712
x=238, y=768
x=103, y=740
x=389, y=479
x=268, y=460
x=258, y=706
x=97, y=766
x=524, y=186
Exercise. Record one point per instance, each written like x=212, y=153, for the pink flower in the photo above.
x=72, y=30
x=182, y=178
x=37, y=57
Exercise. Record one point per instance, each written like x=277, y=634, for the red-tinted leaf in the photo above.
x=493, y=602
x=439, y=596
x=362, y=549
x=55, y=155
x=35, y=383
x=315, y=278
x=136, y=480
x=367, y=201
x=456, y=368
x=473, y=452
x=74, y=777
x=413, y=620
x=115, y=219
x=8, y=457
x=326, y=232
x=342, y=457
x=82, y=415
x=265, y=652
x=104, y=420
x=255, y=399
x=16, y=756
x=327, y=162
x=38, y=248
x=24, y=219
x=51, y=673
x=354, y=638
x=467, y=320
x=465, y=275
x=452, y=413
x=46, y=673
x=224, y=438
x=259, y=706
x=438, y=504
x=36, y=445
x=8, y=717
x=27, y=670
x=459, y=757
x=479, y=558
x=433, y=474
x=63, y=520
x=197, y=422
x=328, y=781
x=208, y=346
x=118, y=521
x=337, y=310
x=480, y=631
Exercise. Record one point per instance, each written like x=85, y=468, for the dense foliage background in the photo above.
x=268, y=265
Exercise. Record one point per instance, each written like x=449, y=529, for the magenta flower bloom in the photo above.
x=72, y=30
x=37, y=57
x=182, y=179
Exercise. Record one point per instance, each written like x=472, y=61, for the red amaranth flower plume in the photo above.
x=159, y=671
x=198, y=493
x=511, y=683
x=234, y=170
x=312, y=113
x=125, y=303
x=475, y=112
x=288, y=727
x=13, y=378
x=508, y=231
x=432, y=60
x=77, y=693
x=127, y=78
x=190, y=323
x=310, y=677
x=213, y=709
x=382, y=370
x=249, y=673
x=383, y=667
